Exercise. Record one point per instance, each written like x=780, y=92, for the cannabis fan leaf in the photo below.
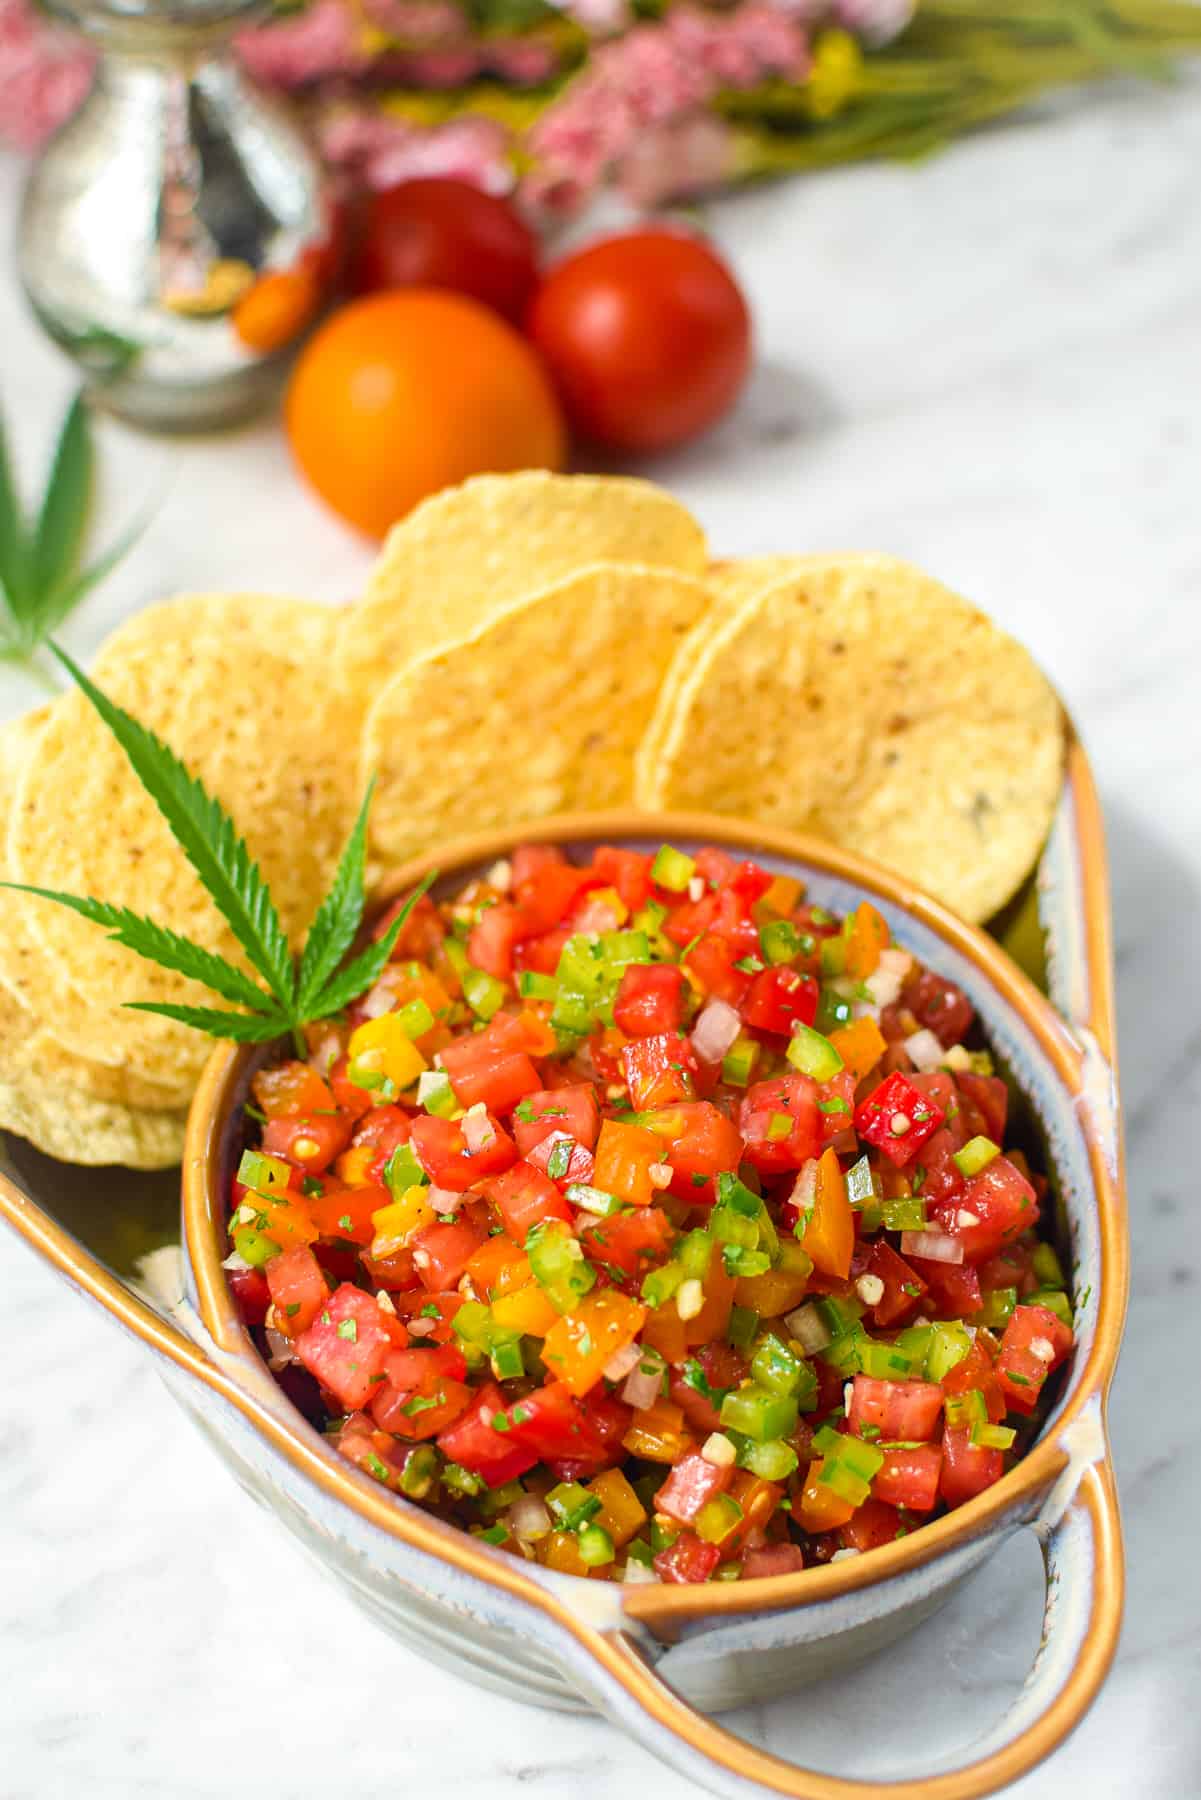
x=296, y=990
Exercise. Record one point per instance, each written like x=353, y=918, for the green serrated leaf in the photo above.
x=66, y=598
x=363, y=973
x=159, y=945
x=338, y=917
x=14, y=545
x=208, y=838
x=241, y=1028
x=58, y=535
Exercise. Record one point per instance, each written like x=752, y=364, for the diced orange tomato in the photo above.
x=579, y=1345
x=347, y=1212
x=710, y=1323
x=561, y=1550
x=868, y=935
x=625, y=1155
x=830, y=1234
x=622, y=1512
x=860, y=1044
x=821, y=1509
x=290, y=1088
x=666, y=1332
x=285, y=1219
x=499, y=1266
x=353, y=1166
x=658, y=1434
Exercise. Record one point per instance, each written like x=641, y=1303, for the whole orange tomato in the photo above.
x=400, y=394
x=647, y=336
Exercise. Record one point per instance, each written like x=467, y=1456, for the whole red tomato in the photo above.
x=647, y=336
x=440, y=233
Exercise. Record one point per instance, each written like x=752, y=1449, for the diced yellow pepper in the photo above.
x=353, y=1164
x=383, y=1046
x=396, y=1223
x=782, y=897
x=527, y=1310
x=612, y=901
x=578, y=1346
x=658, y=1434
x=622, y=1512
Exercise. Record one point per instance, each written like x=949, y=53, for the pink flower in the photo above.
x=44, y=74
x=320, y=41
x=678, y=161
x=875, y=21
x=380, y=152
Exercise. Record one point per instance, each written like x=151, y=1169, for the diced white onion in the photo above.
x=804, y=1188
x=696, y=888
x=1043, y=1349
x=584, y=1221
x=234, y=1261
x=957, y=1058
x=385, y=1302
x=934, y=1246
x=379, y=1000
x=845, y=1554
x=885, y=982
x=966, y=1217
x=621, y=1362
x=644, y=1380
x=690, y=1299
x=660, y=1175
x=500, y=876
x=925, y=1051
x=477, y=1128
x=528, y=1519
x=443, y=1200
x=870, y=1289
x=715, y=1030
x=637, y=1574
x=421, y=1327
x=808, y=1328
x=280, y=1350
x=719, y=1450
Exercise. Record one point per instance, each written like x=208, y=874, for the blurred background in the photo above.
x=842, y=277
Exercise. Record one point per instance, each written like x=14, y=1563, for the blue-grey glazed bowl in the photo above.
x=659, y=1660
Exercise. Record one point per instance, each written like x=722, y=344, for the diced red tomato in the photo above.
x=977, y=1371
x=441, y=1149
x=429, y=1317
x=541, y=954
x=709, y=962
x=701, y=1143
x=720, y=1366
x=345, y=1212
x=571, y=1110
x=1036, y=1341
x=483, y=1068
x=778, y=999
x=691, y=1484
x=909, y=1476
x=298, y=1290
x=549, y=896
x=251, y=1293
x=308, y=1142
x=650, y=999
x=688, y=1559
x=555, y=1425
x=966, y=1468
x=903, y=1286
x=346, y=1345
x=991, y=1209
x=898, y=1118
x=873, y=1524
x=939, y=1005
x=954, y=1288
x=985, y=1103
x=630, y=1242
x=474, y=1443
x=561, y=1159
x=441, y=1252
x=780, y=1123
x=524, y=1196
x=895, y=1409
x=425, y=1391
x=659, y=1070
x=494, y=936
x=629, y=871
x=351, y=1100
x=529, y=861
x=772, y=1559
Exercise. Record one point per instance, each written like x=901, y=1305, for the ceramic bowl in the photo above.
x=659, y=1660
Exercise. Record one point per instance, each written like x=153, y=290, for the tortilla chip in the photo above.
x=277, y=753
x=863, y=702
x=467, y=554
x=300, y=631
x=539, y=712
x=30, y=1056
x=76, y=1128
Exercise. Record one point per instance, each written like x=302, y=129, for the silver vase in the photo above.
x=177, y=235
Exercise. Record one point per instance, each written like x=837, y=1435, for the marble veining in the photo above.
x=990, y=363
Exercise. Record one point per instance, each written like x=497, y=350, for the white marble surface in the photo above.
x=991, y=363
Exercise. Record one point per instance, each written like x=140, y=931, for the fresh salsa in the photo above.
x=652, y=1223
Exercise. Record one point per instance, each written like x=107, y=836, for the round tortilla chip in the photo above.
x=861, y=701
x=273, y=747
x=76, y=1128
x=30, y=1055
x=300, y=631
x=467, y=554
x=540, y=711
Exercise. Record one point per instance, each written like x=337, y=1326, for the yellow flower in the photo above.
x=834, y=74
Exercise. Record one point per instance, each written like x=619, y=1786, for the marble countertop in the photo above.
x=990, y=363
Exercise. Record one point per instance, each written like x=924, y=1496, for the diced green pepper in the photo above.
x=976, y=1154
x=774, y=1460
x=905, y=1213
x=484, y=994
x=659, y=1286
x=742, y=1327
x=1054, y=1300
x=758, y=1413
x=774, y=1366
x=671, y=869
x=420, y=1472
x=596, y=1546
x=717, y=1518
x=780, y=940
x=993, y=1437
x=571, y=1505
x=415, y=1018
x=265, y=1174
x=1048, y=1267
x=593, y=1200
x=402, y=1171
x=532, y=985
x=949, y=1344
x=739, y=1061
x=813, y=1054
x=998, y=1307
x=254, y=1247
x=886, y=1362
x=436, y=1095
x=694, y=1254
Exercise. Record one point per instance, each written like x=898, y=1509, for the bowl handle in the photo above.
x=1082, y=1555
